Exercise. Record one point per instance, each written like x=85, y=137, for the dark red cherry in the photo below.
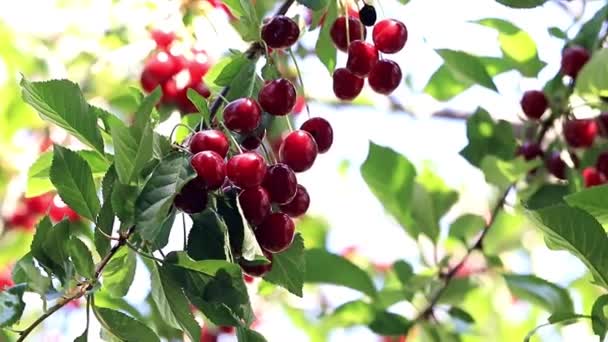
x=281, y=183
x=580, y=133
x=298, y=150
x=246, y=170
x=162, y=38
x=529, y=150
x=280, y=32
x=184, y=104
x=592, y=177
x=602, y=163
x=257, y=270
x=337, y=32
x=278, y=97
x=210, y=168
x=192, y=198
x=209, y=140
x=242, y=115
x=389, y=35
x=255, y=203
x=253, y=140
x=573, y=60
x=368, y=15
x=321, y=131
x=602, y=123
x=276, y=233
x=362, y=56
x=346, y=85
x=385, y=77
x=299, y=204
x=534, y=103
x=199, y=65
x=556, y=165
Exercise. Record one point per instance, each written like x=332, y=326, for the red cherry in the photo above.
x=278, y=97
x=39, y=204
x=276, y=232
x=300, y=105
x=321, y=131
x=192, y=198
x=22, y=219
x=602, y=123
x=208, y=335
x=209, y=140
x=356, y=31
x=157, y=69
x=385, y=77
x=362, y=56
x=573, y=60
x=58, y=210
x=225, y=329
x=389, y=35
x=347, y=85
x=183, y=102
x=556, y=165
x=281, y=183
x=248, y=279
x=592, y=177
x=247, y=170
x=253, y=140
x=298, y=150
x=257, y=270
x=199, y=65
x=602, y=163
x=580, y=133
x=242, y=115
x=6, y=281
x=529, y=150
x=280, y=32
x=256, y=204
x=534, y=103
x=162, y=38
x=299, y=204
x=171, y=91
x=210, y=168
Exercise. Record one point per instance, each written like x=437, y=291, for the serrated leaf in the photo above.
x=224, y=71
x=325, y=48
x=208, y=238
x=25, y=271
x=192, y=121
x=388, y=323
x=465, y=226
x=206, y=267
x=404, y=271
x=201, y=105
x=548, y=195
x=243, y=83
x=118, y=275
x=123, y=202
x=55, y=247
x=248, y=335
x=350, y=314
x=288, y=267
x=433, y=199
x=11, y=305
x=593, y=201
x=124, y=327
x=522, y=3
x=461, y=315
x=468, y=67
x=133, y=148
x=314, y=5
x=599, y=321
x=43, y=230
x=142, y=115
x=557, y=32
x=588, y=35
x=504, y=173
x=165, y=230
x=81, y=257
x=539, y=291
x=592, y=80
x=487, y=137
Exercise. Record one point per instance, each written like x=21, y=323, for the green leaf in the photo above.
x=81, y=257
x=191, y=121
x=11, y=305
x=557, y=318
x=206, y=267
x=344, y=273
x=461, y=315
x=588, y=35
x=43, y=231
x=155, y=200
x=314, y=5
x=142, y=115
x=592, y=80
x=224, y=71
x=25, y=271
x=208, y=238
x=522, y=3
x=468, y=67
x=504, y=173
x=387, y=323
x=248, y=335
x=548, y=195
x=61, y=102
x=201, y=105
x=404, y=271
x=123, y=202
x=288, y=267
x=487, y=137
x=55, y=246
x=120, y=272
x=325, y=48
x=457, y=291
x=557, y=32
x=599, y=321
x=133, y=148
x=314, y=231
x=390, y=177
x=539, y=291
x=466, y=226
x=124, y=327
x=593, y=201
x=248, y=23
x=165, y=230
x=351, y=313
x=72, y=177
x=83, y=337
x=576, y=231
x=243, y=83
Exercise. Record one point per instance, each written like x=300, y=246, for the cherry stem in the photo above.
x=176, y=127
x=234, y=142
x=184, y=229
x=295, y=63
x=270, y=155
x=345, y=9
x=288, y=123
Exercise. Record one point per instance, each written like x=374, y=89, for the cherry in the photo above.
x=162, y=38
x=199, y=65
x=278, y=97
x=534, y=103
x=298, y=150
x=556, y=165
x=242, y=115
x=256, y=204
x=210, y=168
x=209, y=140
x=276, y=233
x=321, y=131
x=208, y=335
x=58, y=210
x=346, y=85
x=192, y=198
x=602, y=123
x=257, y=270
x=281, y=183
x=38, y=204
x=592, y=177
x=22, y=218
x=246, y=170
x=367, y=14
x=5, y=280
x=385, y=77
x=157, y=69
x=529, y=150
x=171, y=91
x=299, y=204
x=226, y=329
x=253, y=140
x=362, y=56
x=300, y=105
x=389, y=35
x=580, y=133
x=248, y=279
x=573, y=60
x=184, y=104
x=602, y=163
x=356, y=31
x=280, y=32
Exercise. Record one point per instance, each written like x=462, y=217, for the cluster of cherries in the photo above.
x=348, y=34
x=175, y=70
x=30, y=210
x=578, y=133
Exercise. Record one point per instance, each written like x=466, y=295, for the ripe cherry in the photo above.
x=367, y=14
x=385, y=77
x=389, y=35
x=602, y=163
x=157, y=69
x=208, y=335
x=278, y=97
x=5, y=280
x=171, y=91
x=556, y=165
x=246, y=170
x=256, y=204
x=192, y=198
x=299, y=204
x=356, y=31
x=209, y=140
x=602, y=123
x=300, y=105
x=253, y=140
x=592, y=177
x=280, y=32
x=257, y=270
x=573, y=60
x=242, y=115
x=534, y=103
x=298, y=150
x=39, y=204
x=346, y=85
x=529, y=150
x=281, y=183
x=276, y=233
x=362, y=56
x=321, y=131
x=22, y=219
x=184, y=104
x=226, y=329
x=58, y=210
x=580, y=133
x=162, y=38
x=210, y=168
x=199, y=65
